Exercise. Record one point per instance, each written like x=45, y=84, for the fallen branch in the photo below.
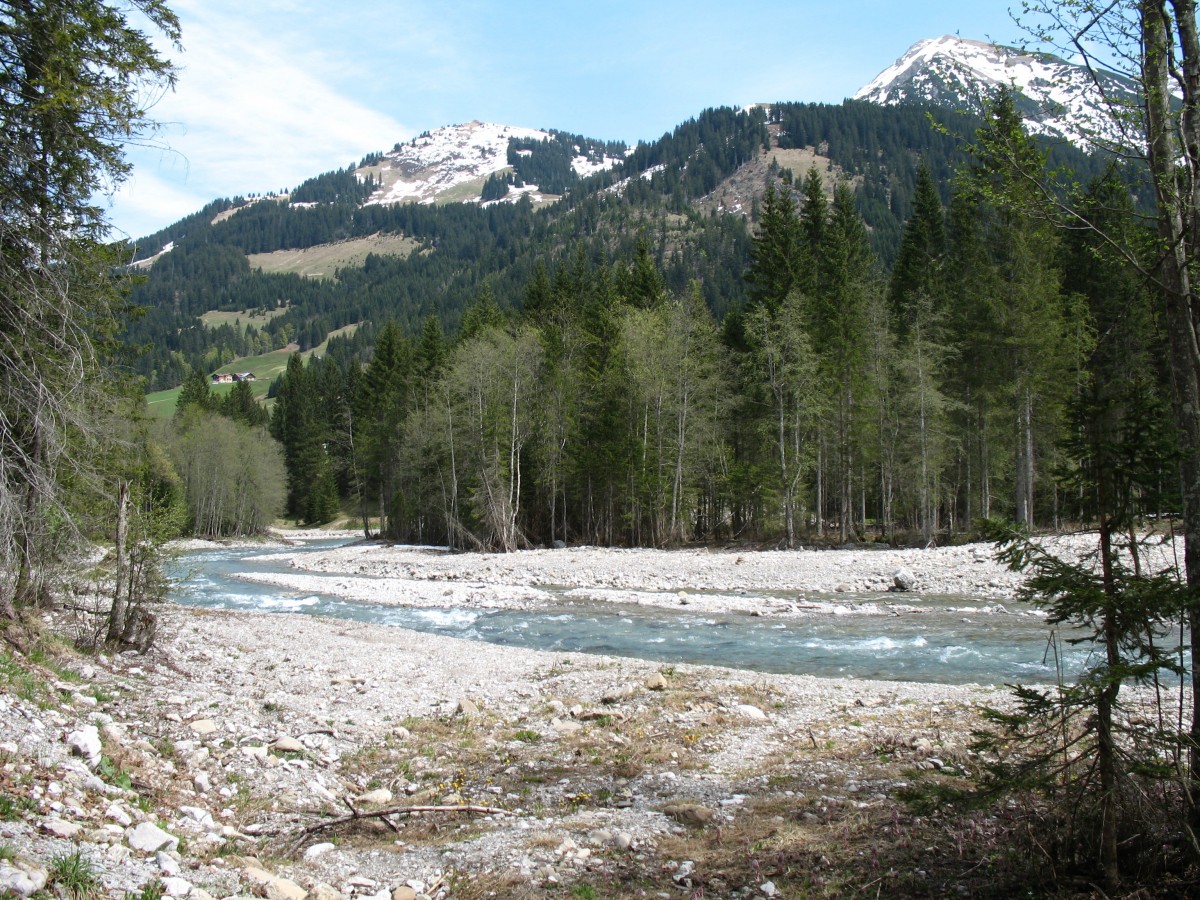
x=356, y=814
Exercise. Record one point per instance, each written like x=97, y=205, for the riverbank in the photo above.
x=796, y=583
x=504, y=772
x=238, y=731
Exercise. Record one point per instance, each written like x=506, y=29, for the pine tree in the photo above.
x=918, y=270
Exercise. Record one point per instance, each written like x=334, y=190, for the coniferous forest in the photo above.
x=818, y=393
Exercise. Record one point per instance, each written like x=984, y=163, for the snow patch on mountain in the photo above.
x=1059, y=98
x=452, y=164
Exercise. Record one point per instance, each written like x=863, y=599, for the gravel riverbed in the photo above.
x=243, y=736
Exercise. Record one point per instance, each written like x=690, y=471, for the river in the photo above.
x=955, y=640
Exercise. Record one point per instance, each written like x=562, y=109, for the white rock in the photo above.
x=319, y=850
x=22, y=877
x=203, y=727
x=466, y=709
x=167, y=864
x=200, y=816
x=61, y=828
x=751, y=712
x=176, y=887
x=85, y=742
x=284, y=889
x=119, y=815
x=378, y=797
x=149, y=838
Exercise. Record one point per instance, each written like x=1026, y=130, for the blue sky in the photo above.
x=271, y=92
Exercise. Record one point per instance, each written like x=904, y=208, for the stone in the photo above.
x=202, y=782
x=466, y=709
x=683, y=875
x=404, y=892
x=768, y=889
x=560, y=728
x=691, y=814
x=318, y=850
x=904, y=580
x=167, y=864
x=203, y=727
x=61, y=828
x=656, y=682
x=85, y=742
x=623, y=840
x=284, y=889
x=378, y=797
x=286, y=744
x=175, y=886
x=323, y=891
x=202, y=817
x=616, y=695
x=751, y=712
x=149, y=838
x=253, y=872
x=21, y=877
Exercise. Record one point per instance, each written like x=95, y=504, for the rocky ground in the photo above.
x=288, y=756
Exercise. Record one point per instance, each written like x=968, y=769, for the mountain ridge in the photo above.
x=1056, y=98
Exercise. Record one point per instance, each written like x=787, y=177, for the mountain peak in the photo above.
x=452, y=164
x=1056, y=97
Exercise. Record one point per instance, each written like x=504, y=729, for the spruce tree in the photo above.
x=72, y=88
x=775, y=249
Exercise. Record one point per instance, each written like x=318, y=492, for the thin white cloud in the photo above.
x=147, y=202
x=250, y=114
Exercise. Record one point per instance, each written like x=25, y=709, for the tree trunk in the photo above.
x=116, y=616
x=1177, y=212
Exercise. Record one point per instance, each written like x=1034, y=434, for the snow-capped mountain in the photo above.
x=453, y=164
x=1056, y=97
